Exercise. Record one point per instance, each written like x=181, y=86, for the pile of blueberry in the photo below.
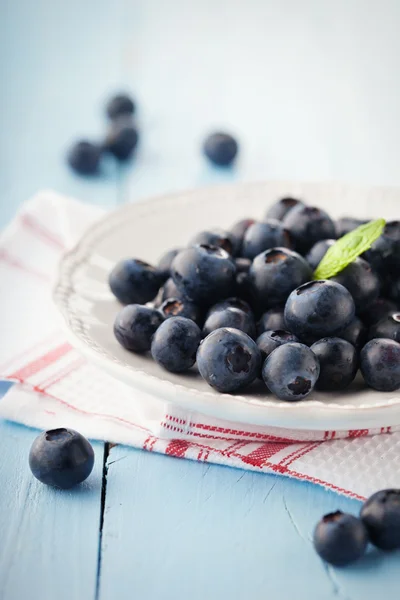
x=121, y=140
x=243, y=305
x=341, y=538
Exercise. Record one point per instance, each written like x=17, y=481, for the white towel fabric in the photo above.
x=55, y=386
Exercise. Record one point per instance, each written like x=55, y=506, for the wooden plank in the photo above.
x=49, y=537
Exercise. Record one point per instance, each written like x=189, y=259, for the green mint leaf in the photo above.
x=348, y=248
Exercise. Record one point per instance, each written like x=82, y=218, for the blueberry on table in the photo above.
x=120, y=106
x=381, y=516
x=275, y=273
x=340, y=538
x=134, y=281
x=230, y=317
x=135, y=326
x=380, y=364
x=61, y=458
x=175, y=344
x=122, y=139
x=269, y=340
x=279, y=209
x=175, y=307
x=220, y=148
x=291, y=371
x=165, y=262
x=361, y=281
x=381, y=307
x=317, y=252
x=384, y=254
x=338, y=363
x=347, y=224
x=262, y=236
x=204, y=274
x=273, y=319
x=355, y=333
x=216, y=237
x=319, y=308
x=84, y=157
x=308, y=225
x=388, y=327
x=228, y=360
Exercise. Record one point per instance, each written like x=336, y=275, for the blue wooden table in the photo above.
x=312, y=90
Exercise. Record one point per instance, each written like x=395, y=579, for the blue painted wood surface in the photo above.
x=312, y=90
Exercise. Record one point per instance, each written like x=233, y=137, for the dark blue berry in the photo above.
x=291, y=371
x=275, y=273
x=84, y=157
x=340, y=539
x=239, y=229
x=175, y=307
x=273, y=319
x=169, y=290
x=242, y=265
x=355, y=333
x=120, y=106
x=394, y=289
x=135, y=326
x=307, y=226
x=165, y=262
x=380, y=308
x=317, y=252
x=61, y=458
x=220, y=149
x=381, y=516
x=228, y=360
x=216, y=237
x=319, y=308
x=204, y=274
x=384, y=254
x=347, y=224
x=175, y=344
x=280, y=209
x=262, y=236
x=388, y=327
x=230, y=317
x=231, y=303
x=134, y=281
x=380, y=364
x=121, y=139
x=269, y=340
x=361, y=281
x=338, y=362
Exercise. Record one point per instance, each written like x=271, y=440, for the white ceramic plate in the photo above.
x=145, y=231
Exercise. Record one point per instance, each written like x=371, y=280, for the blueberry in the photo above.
x=135, y=326
x=340, y=539
x=228, y=359
x=243, y=288
x=169, y=290
x=84, y=157
x=381, y=516
x=120, y=106
x=230, y=317
x=61, y=458
x=175, y=307
x=269, y=340
x=134, y=281
x=216, y=237
x=384, y=254
x=231, y=303
x=361, y=281
x=355, y=333
x=280, y=208
x=338, y=362
x=272, y=319
x=239, y=229
x=319, y=308
x=380, y=364
x=165, y=262
x=175, y=344
x=291, y=371
x=388, y=327
x=242, y=265
x=205, y=274
x=394, y=289
x=263, y=236
x=121, y=139
x=307, y=226
x=275, y=273
x=317, y=252
x=220, y=149
x=347, y=224
x=380, y=308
